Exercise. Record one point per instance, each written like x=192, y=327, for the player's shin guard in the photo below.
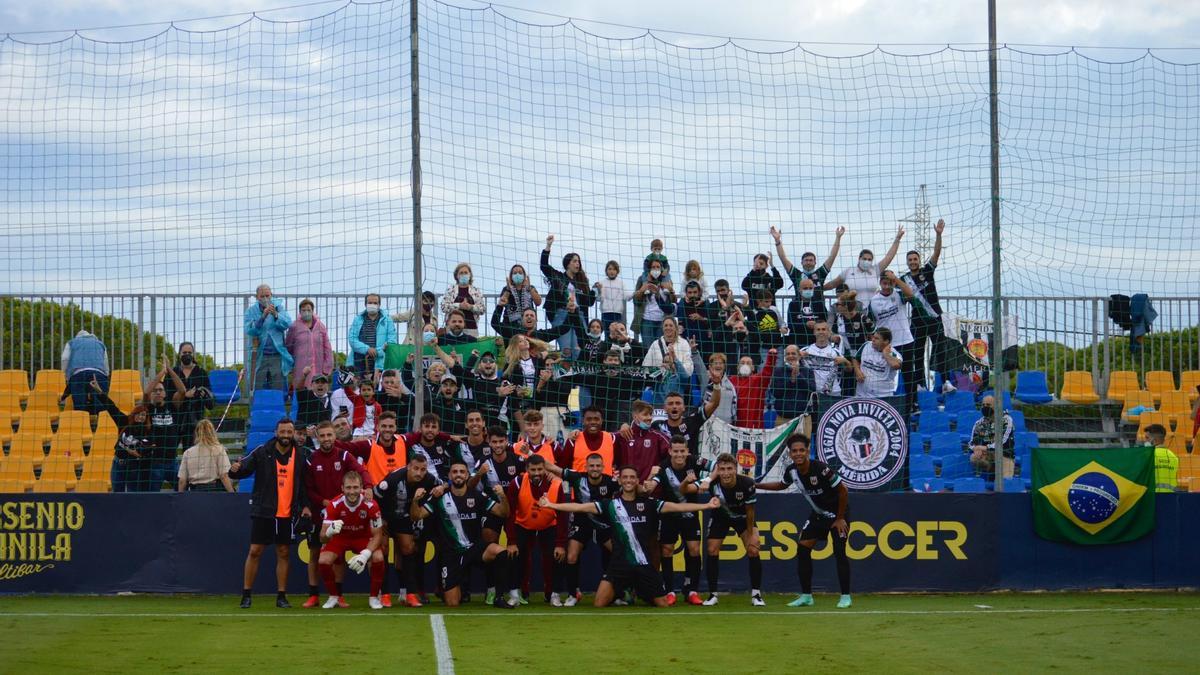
x=714, y=572
x=498, y=572
x=843, y=565
x=410, y=573
x=378, y=574
x=329, y=579
x=756, y=573
x=691, y=579
x=668, y=573
x=572, y=574
x=804, y=568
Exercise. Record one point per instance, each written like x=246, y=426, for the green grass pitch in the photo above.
x=1067, y=632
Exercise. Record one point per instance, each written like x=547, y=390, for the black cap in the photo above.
x=320, y=377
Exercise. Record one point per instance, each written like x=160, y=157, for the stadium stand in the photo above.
x=1032, y=387
x=1078, y=387
x=1136, y=399
x=1189, y=381
x=16, y=381
x=1159, y=382
x=224, y=386
x=1120, y=384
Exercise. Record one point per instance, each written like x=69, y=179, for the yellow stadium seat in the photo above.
x=59, y=469
x=103, y=445
x=102, y=485
x=1176, y=443
x=1134, y=399
x=52, y=486
x=125, y=400
x=36, y=423
x=17, y=474
x=1148, y=418
x=16, y=381
x=46, y=401
x=1120, y=383
x=51, y=380
x=1188, y=381
x=75, y=422
x=27, y=447
x=105, y=424
x=1158, y=382
x=1189, y=472
x=125, y=380
x=1078, y=387
x=10, y=407
x=66, y=447
x=96, y=467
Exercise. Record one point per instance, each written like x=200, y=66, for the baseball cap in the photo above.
x=450, y=377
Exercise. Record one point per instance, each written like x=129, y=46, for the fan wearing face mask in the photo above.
x=371, y=331
x=863, y=278
x=808, y=266
x=265, y=323
x=752, y=389
x=308, y=342
x=464, y=296
x=196, y=393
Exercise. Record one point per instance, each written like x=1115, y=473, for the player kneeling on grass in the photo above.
x=352, y=523
x=458, y=515
x=634, y=522
x=822, y=487
x=736, y=496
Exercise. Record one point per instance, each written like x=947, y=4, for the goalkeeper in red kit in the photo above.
x=352, y=523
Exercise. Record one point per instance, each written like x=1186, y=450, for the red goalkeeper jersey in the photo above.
x=357, y=521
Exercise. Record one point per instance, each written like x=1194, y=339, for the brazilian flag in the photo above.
x=1093, y=496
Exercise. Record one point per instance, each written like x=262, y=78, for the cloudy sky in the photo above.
x=277, y=150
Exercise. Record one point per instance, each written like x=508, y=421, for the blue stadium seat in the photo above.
x=1014, y=484
x=648, y=395
x=1007, y=398
x=1032, y=387
x=769, y=417
x=264, y=420
x=969, y=485
x=257, y=438
x=1018, y=419
x=934, y=421
x=1025, y=440
x=938, y=383
x=927, y=401
x=956, y=466
x=958, y=401
x=246, y=485
x=224, y=386
x=920, y=467
x=927, y=485
x=944, y=443
x=267, y=399
x=916, y=442
x=965, y=422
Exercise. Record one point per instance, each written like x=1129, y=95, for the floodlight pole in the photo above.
x=417, y=327
x=997, y=351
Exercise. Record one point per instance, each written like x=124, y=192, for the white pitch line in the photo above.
x=441, y=643
x=615, y=613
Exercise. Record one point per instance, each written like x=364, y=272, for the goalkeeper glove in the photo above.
x=335, y=526
x=359, y=562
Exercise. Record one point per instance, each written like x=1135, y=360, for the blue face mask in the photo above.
x=518, y=278
x=806, y=293
x=429, y=335
x=464, y=279
x=644, y=426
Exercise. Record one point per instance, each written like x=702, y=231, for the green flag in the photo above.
x=1093, y=496
x=396, y=355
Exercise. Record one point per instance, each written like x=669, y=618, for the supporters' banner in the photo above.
x=975, y=336
x=759, y=452
x=1093, y=496
x=864, y=439
x=396, y=356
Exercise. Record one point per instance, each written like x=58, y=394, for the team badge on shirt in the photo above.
x=865, y=439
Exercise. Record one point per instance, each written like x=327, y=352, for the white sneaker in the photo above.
x=712, y=600
x=374, y=602
x=570, y=601
x=757, y=600
x=331, y=602
x=556, y=600
x=620, y=602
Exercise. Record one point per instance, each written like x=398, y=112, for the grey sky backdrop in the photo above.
x=276, y=149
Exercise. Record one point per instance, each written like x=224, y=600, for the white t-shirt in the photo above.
x=825, y=374
x=864, y=283
x=528, y=371
x=683, y=355
x=612, y=295
x=889, y=312
x=880, y=377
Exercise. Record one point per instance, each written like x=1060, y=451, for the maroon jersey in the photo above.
x=356, y=522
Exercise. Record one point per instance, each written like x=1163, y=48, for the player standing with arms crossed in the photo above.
x=825, y=492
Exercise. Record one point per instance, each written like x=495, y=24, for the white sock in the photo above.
x=755, y=591
x=402, y=592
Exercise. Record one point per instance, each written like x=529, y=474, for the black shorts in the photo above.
x=493, y=523
x=398, y=526
x=585, y=531
x=456, y=567
x=720, y=525
x=818, y=528
x=676, y=525
x=644, y=579
x=271, y=531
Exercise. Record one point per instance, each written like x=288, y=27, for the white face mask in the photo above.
x=306, y=315
x=372, y=308
x=655, y=274
x=864, y=265
x=595, y=335
x=744, y=370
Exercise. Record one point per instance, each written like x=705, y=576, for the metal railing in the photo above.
x=34, y=330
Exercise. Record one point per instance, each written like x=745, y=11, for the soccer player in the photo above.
x=395, y=495
x=737, y=496
x=458, y=514
x=389, y=452
x=503, y=466
x=575, y=453
x=323, y=482
x=822, y=487
x=675, y=481
x=352, y=522
x=633, y=519
x=586, y=487
x=534, y=441
x=530, y=526
x=688, y=426
x=644, y=448
x=475, y=444
x=438, y=448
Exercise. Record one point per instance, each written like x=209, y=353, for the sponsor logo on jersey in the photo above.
x=337, y=466
x=865, y=440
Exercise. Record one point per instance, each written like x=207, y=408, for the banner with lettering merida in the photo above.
x=864, y=439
